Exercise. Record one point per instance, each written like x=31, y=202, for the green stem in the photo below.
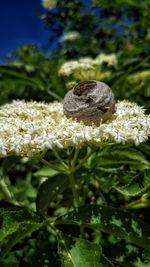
x=41, y=158
x=83, y=161
x=7, y=194
x=59, y=158
x=71, y=167
x=74, y=191
x=43, y=153
x=75, y=157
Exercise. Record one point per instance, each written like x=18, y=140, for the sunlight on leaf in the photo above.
x=75, y=252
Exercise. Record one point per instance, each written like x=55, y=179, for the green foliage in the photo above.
x=136, y=186
x=110, y=220
x=76, y=252
x=134, y=69
x=30, y=75
x=92, y=204
x=112, y=26
x=49, y=190
x=97, y=188
x=16, y=223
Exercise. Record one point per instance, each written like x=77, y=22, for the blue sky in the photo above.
x=19, y=24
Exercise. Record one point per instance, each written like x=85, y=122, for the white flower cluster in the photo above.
x=71, y=36
x=49, y=4
x=110, y=59
x=87, y=63
x=27, y=128
x=68, y=67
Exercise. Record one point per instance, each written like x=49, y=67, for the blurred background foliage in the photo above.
x=83, y=29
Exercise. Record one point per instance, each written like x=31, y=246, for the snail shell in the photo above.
x=89, y=101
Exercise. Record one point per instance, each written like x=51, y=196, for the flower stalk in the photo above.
x=8, y=196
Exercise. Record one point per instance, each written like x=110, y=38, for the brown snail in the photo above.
x=89, y=101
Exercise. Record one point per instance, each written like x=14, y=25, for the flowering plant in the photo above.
x=73, y=195
x=75, y=156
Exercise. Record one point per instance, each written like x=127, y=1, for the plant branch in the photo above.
x=59, y=158
x=6, y=192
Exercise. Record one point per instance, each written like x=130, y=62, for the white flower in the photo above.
x=80, y=67
x=110, y=59
x=49, y=4
x=28, y=128
x=71, y=36
x=3, y=152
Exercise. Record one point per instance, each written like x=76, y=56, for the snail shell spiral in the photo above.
x=89, y=101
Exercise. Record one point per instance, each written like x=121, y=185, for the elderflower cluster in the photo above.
x=49, y=4
x=28, y=128
x=88, y=68
x=70, y=66
x=71, y=36
x=110, y=60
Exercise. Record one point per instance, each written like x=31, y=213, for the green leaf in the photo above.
x=75, y=252
x=136, y=186
x=111, y=220
x=16, y=223
x=122, y=254
x=138, y=263
x=49, y=191
x=46, y=172
x=145, y=148
x=20, y=74
x=121, y=155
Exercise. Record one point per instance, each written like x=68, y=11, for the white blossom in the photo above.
x=110, y=59
x=28, y=128
x=71, y=36
x=79, y=67
x=49, y=4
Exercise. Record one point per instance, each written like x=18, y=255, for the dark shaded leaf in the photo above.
x=123, y=254
x=111, y=220
x=49, y=191
x=8, y=163
x=16, y=223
